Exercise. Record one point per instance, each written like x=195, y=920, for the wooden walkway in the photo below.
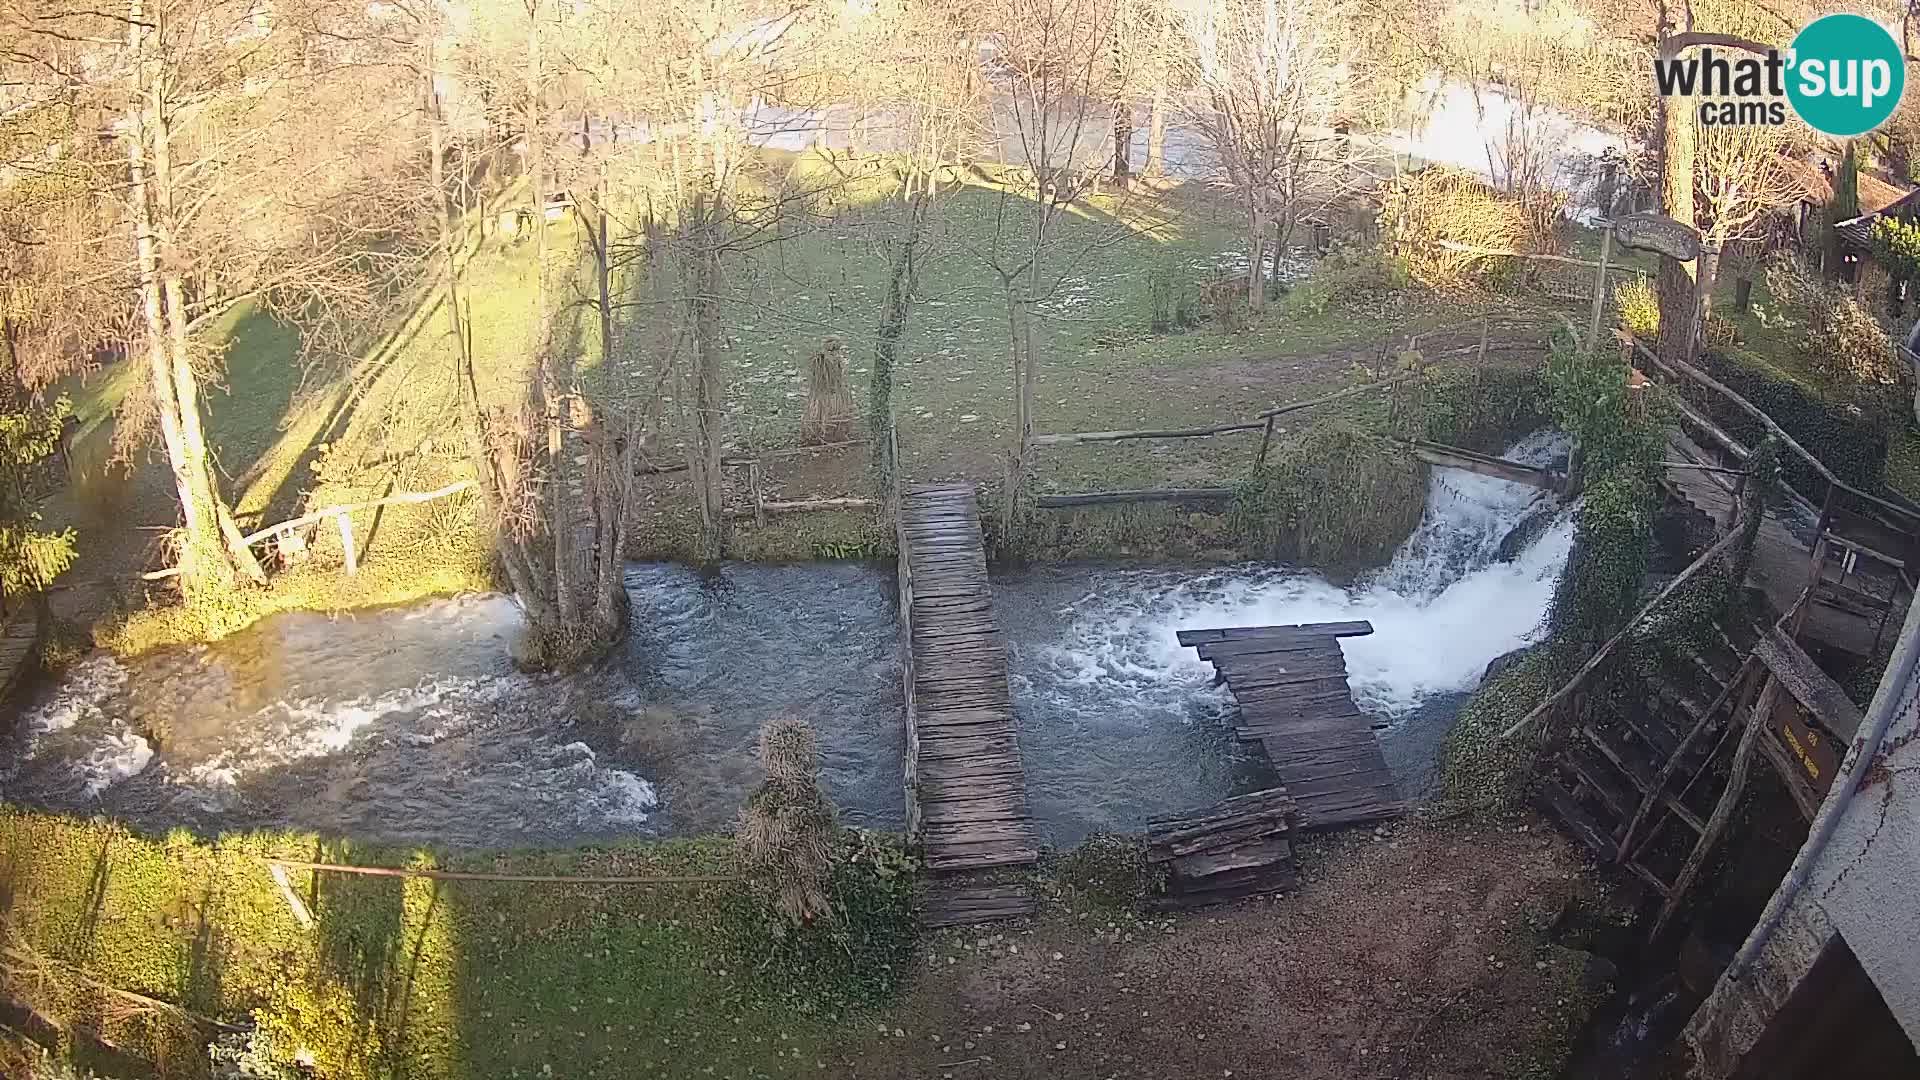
x=966, y=791
x=1291, y=683
x=1782, y=558
x=19, y=652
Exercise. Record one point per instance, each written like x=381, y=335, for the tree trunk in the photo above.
x=210, y=556
x=1674, y=285
x=703, y=450
x=1157, y=132
x=1256, y=259
x=901, y=279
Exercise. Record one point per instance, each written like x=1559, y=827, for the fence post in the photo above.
x=759, y=501
x=1266, y=440
x=346, y=543
x=1600, y=287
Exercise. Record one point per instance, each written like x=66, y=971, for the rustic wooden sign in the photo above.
x=1817, y=751
x=1658, y=232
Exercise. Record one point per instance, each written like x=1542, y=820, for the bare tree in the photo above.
x=1268, y=92
x=260, y=152
x=1052, y=81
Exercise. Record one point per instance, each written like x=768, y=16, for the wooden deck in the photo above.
x=1291, y=683
x=1782, y=557
x=966, y=790
x=19, y=652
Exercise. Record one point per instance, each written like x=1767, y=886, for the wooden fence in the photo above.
x=1264, y=422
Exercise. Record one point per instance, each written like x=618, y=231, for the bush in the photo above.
x=1614, y=427
x=1173, y=304
x=1437, y=204
x=1843, y=341
x=1475, y=408
x=1850, y=438
x=1479, y=772
x=855, y=955
x=1349, y=277
x=1612, y=541
x=1637, y=307
x=1333, y=497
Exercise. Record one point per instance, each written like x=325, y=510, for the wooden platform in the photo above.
x=966, y=790
x=1235, y=848
x=1781, y=557
x=1291, y=683
x=19, y=652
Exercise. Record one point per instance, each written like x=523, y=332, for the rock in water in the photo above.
x=1522, y=536
x=1504, y=661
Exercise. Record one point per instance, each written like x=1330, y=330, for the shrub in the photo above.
x=1851, y=438
x=1173, y=304
x=1110, y=871
x=1422, y=209
x=1476, y=408
x=1637, y=307
x=1333, y=497
x=1348, y=277
x=1479, y=772
x=1615, y=428
x=1845, y=342
x=1612, y=541
x=857, y=953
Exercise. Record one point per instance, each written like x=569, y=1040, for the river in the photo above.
x=412, y=726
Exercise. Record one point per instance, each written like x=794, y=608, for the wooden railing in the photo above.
x=1264, y=422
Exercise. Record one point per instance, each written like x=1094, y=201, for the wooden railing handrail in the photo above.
x=1594, y=661
x=1748, y=407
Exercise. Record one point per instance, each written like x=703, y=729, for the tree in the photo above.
x=259, y=149
x=1268, y=82
x=1051, y=69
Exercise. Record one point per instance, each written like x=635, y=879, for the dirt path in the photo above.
x=1423, y=953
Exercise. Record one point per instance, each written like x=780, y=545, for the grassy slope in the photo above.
x=292, y=439
x=442, y=979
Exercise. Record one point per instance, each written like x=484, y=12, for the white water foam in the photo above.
x=1441, y=611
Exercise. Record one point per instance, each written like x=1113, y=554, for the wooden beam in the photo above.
x=1469, y=249
x=1670, y=766
x=1073, y=438
x=1102, y=498
x=1587, y=669
x=1452, y=457
x=1722, y=810
x=1810, y=686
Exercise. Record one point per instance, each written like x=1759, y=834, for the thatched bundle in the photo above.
x=787, y=830
x=829, y=415
x=1438, y=205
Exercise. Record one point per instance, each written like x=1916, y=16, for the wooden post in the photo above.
x=1817, y=562
x=1722, y=810
x=759, y=500
x=1600, y=288
x=1480, y=354
x=346, y=543
x=1266, y=440
x=300, y=913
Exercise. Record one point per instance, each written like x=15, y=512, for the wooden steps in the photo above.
x=961, y=901
x=1291, y=685
x=1235, y=848
x=967, y=797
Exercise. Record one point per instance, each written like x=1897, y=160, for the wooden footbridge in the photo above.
x=1291, y=683
x=966, y=790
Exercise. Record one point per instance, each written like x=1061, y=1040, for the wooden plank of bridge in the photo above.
x=19, y=652
x=1291, y=684
x=967, y=781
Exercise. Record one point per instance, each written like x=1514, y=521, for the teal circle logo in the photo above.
x=1845, y=75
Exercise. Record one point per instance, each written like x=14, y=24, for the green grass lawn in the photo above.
x=461, y=980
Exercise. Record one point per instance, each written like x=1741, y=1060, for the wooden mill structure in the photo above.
x=1652, y=780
